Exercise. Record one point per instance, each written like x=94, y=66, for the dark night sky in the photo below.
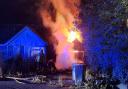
x=18, y=11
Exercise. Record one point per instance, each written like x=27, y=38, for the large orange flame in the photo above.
x=65, y=14
x=74, y=35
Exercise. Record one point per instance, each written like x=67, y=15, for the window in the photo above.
x=36, y=51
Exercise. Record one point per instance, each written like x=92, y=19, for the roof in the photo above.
x=31, y=36
x=7, y=31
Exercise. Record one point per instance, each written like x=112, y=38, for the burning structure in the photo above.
x=62, y=18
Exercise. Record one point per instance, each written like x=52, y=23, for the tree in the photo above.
x=107, y=31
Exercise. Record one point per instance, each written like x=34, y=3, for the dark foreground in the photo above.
x=15, y=85
x=55, y=82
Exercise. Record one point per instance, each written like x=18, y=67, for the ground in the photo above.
x=51, y=83
x=11, y=84
x=15, y=85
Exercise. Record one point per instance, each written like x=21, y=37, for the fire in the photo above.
x=60, y=16
x=74, y=35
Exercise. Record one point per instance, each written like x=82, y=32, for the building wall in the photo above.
x=23, y=43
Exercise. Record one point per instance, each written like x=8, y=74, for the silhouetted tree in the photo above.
x=107, y=34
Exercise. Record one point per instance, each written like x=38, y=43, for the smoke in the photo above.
x=60, y=17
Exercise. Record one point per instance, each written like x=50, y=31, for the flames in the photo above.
x=74, y=35
x=60, y=16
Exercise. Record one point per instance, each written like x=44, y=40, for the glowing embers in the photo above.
x=74, y=35
x=79, y=56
